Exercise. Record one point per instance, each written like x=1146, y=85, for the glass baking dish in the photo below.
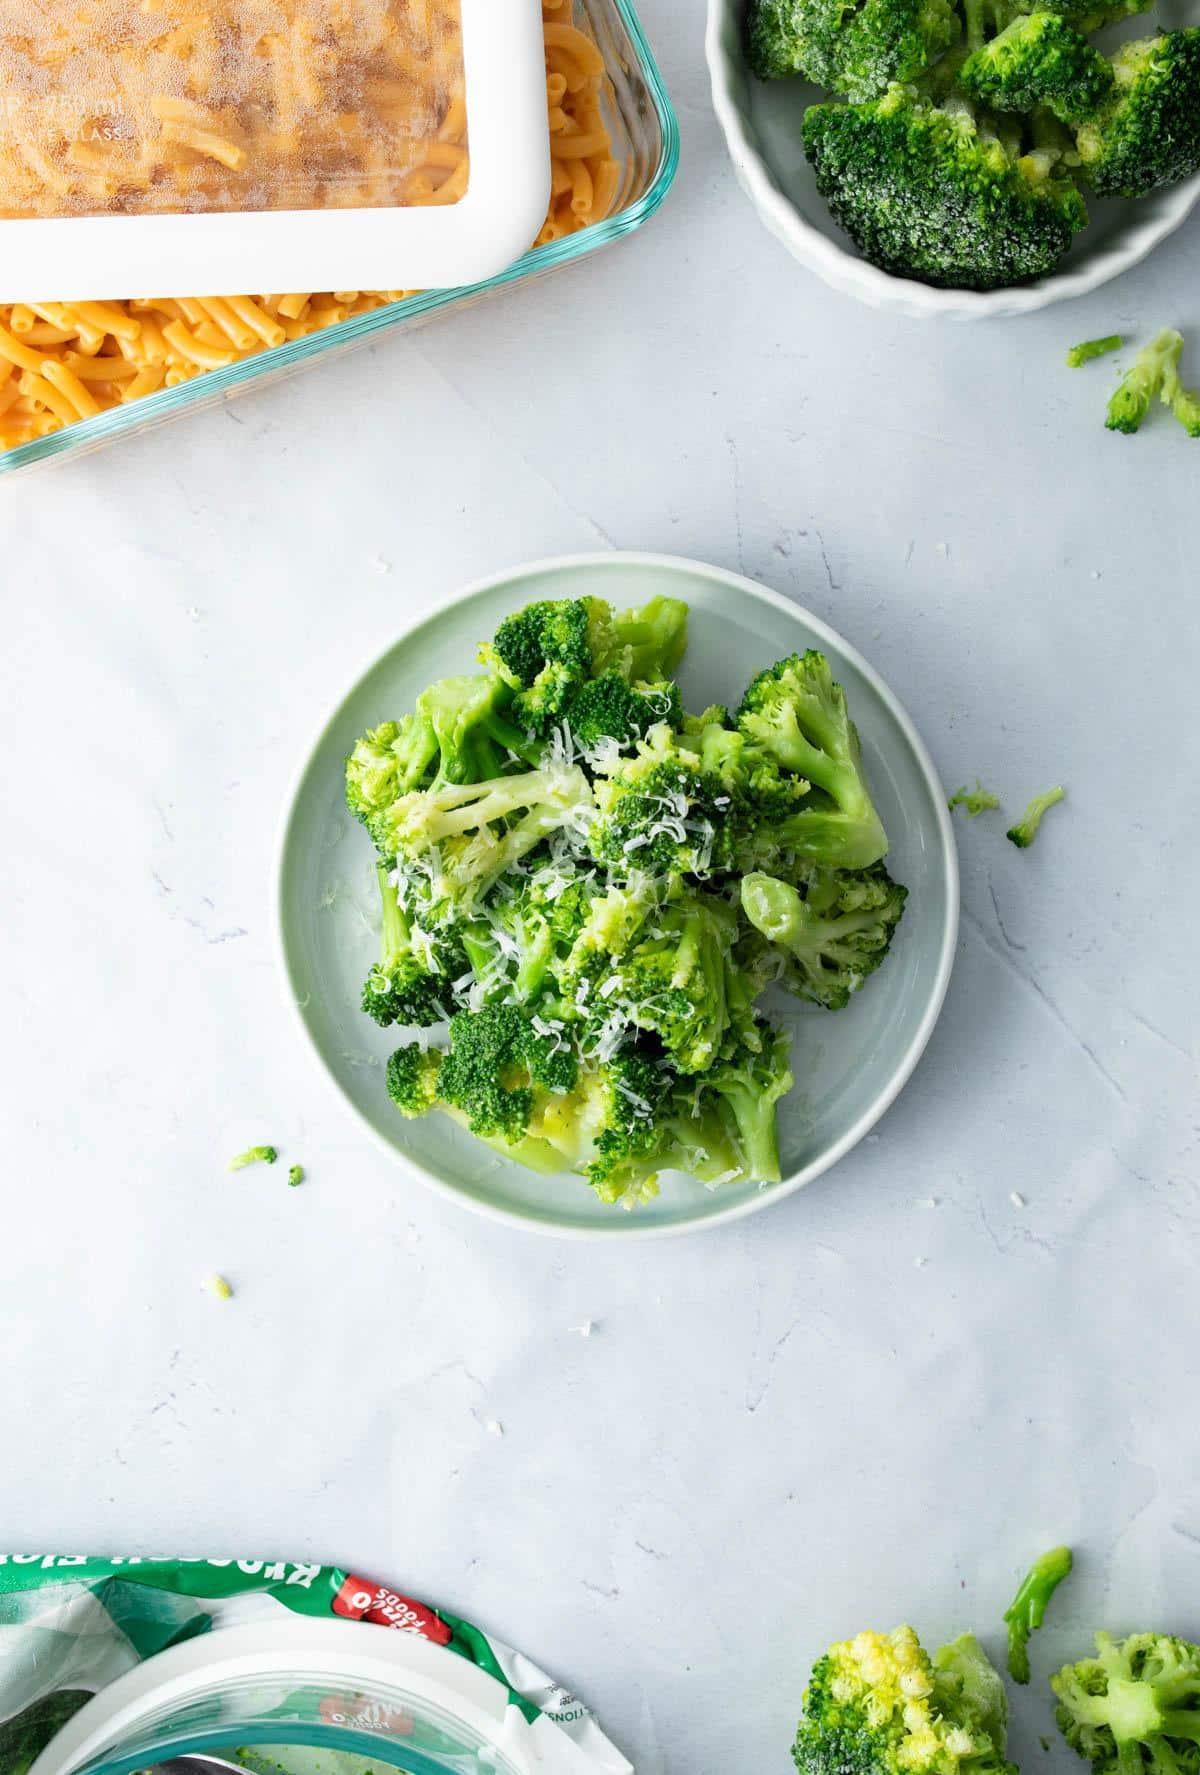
x=645, y=138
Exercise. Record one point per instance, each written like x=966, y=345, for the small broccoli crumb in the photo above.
x=295, y=1176
x=253, y=1155
x=1027, y=1610
x=1026, y=828
x=976, y=801
x=1093, y=348
x=1045, y=1743
x=217, y=1286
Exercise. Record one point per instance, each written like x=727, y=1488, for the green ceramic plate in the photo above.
x=851, y=1064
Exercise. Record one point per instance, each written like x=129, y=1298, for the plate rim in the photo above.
x=627, y=1226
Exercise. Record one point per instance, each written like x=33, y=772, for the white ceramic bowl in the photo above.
x=761, y=122
x=850, y=1066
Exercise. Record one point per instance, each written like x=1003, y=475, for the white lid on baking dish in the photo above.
x=164, y=147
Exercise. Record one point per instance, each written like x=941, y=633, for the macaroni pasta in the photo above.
x=61, y=362
x=168, y=106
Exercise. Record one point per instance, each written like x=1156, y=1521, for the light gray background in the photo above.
x=853, y=1408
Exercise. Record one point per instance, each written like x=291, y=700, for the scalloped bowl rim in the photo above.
x=841, y=267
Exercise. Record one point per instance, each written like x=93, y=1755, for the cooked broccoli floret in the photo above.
x=609, y=711
x=854, y=50
x=751, y=1077
x=879, y=1705
x=458, y=732
x=661, y=812
x=1027, y=1610
x=412, y=1079
x=1039, y=59
x=1133, y=1709
x=547, y=650
x=686, y=1130
x=455, y=842
x=975, y=801
x=1026, y=828
x=930, y=192
x=1146, y=133
x=499, y=1079
x=798, y=715
x=410, y=981
x=253, y=1155
x=1093, y=348
x=833, y=934
x=1143, y=380
x=672, y=982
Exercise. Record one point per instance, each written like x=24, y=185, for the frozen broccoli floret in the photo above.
x=853, y=50
x=1146, y=133
x=934, y=192
x=1039, y=59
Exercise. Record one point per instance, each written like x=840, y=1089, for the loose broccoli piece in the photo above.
x=547, y=650
x=1143, y=380
x=834, y=933
x=750, y=1078
x=1146, y=133
x=928, y=191
x=856, y=51
x=975, y=801
x=1183, y=402
x=797, y=714
x=1026, y=828
x=253, y=1155
x=1133, y=1709
x=453, y=843
x=1093, y=348
x=1039, y=59
x=879, y=1705
x=1027, y=1610
x=607, y=711
x=410, y=981
x=295, y=1176
x=1186, y=407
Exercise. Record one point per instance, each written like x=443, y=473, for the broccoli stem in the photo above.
x=1027, y=1610
x=1093, y=348
x=1026, y=828
x=757, y=1130
x=395, y=932
x=253, y=1155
